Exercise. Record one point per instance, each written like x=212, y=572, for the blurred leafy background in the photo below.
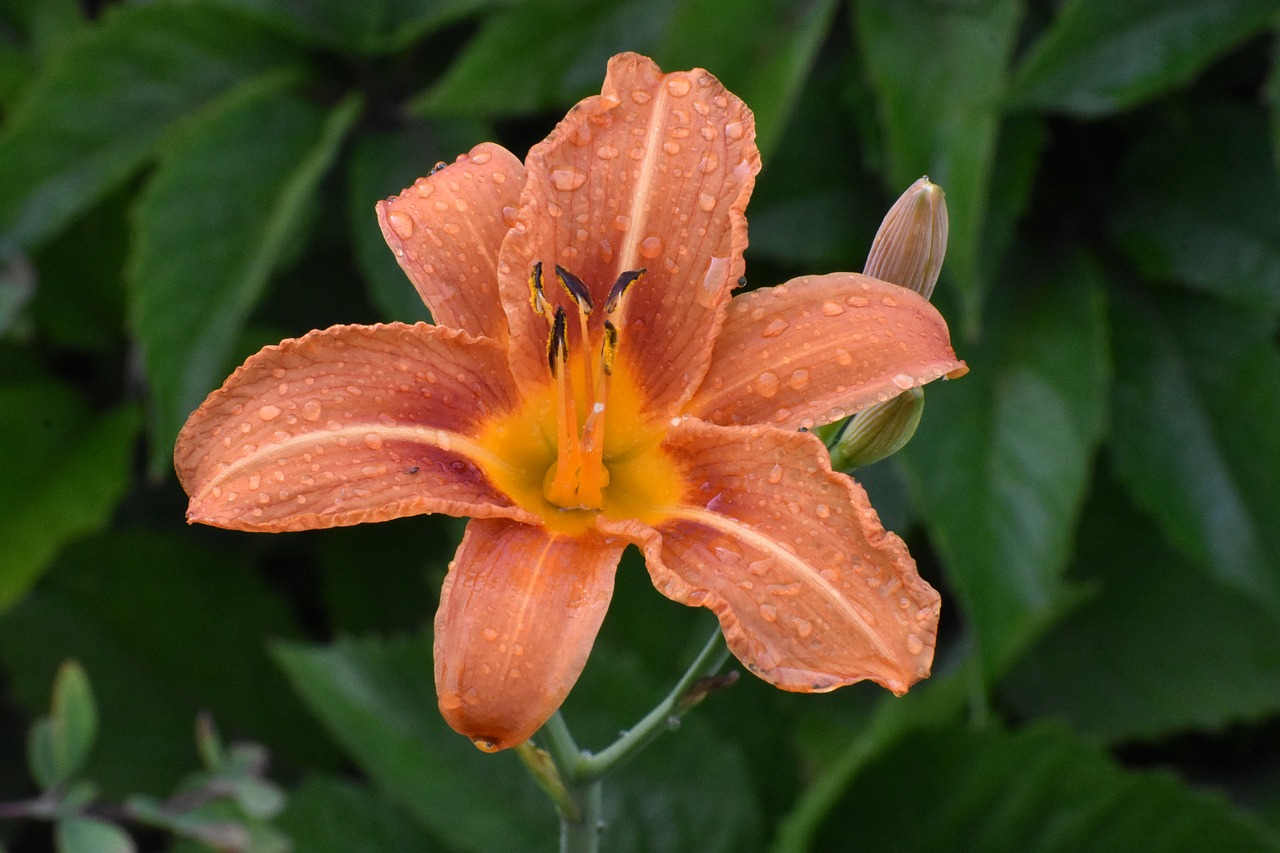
x=1099, y=500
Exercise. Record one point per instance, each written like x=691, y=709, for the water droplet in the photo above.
x=401, y=223
x=640, y=96
x=709, y=163
x=768, y=613
x=823, y=511
x=803, y=627
x=451, y=228
x=255, y=482
x=622, y=222
x=567, y=178
x=489, y=634
x=775, y=475
x=776, y=327
x=672, y=148
x=799, y=379
x=269, y=412
x=831, y=309
x=554, y=209
x=767, y=384
x=903, y=381
x=734, y=130
x=856, y=302
x=484, y=744
x=888, y=301
x=607, y=152
x=651, y=246
x=373, y=441
x=842, y=357
x=707, y=202
x=679, y=86
x=914, y=644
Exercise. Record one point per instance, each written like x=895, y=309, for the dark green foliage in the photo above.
x=182, y=182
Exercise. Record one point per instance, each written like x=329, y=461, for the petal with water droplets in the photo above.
x=811, y=591
x=346, y=425
x=653, y=173
x=819, y=348
x=518, y=616
x=446, y=230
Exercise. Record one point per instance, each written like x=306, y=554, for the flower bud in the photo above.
x=912, y=240
x=878, y=432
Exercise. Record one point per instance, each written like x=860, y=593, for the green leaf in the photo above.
x=762, y=50
x=381, y=165
x=74, y=719
x=534, y=56
x=65, y=471
x=938, y=71
x=1157, y=649
x=369, y=26
x=328, y=815
x=42, y=759
x=29, y=33
x=88, y=835
x=217, y=218
x=378, y=699
x=1037, y=790
x=1003, y=456
x=99, y=110
x=170, y=626
x=1199, y=204
x=1196, y=439
x=1101, y=56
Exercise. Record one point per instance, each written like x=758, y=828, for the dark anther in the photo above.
x=557, y=344
x=577, y=290
x=437, y=167
x=742, y=281
x=413, y=470
x=620, y=287
x=609, y=349
x=536, y=297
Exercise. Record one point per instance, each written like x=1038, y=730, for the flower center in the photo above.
x=581, y=361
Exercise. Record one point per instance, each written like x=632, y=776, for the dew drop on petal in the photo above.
x=607, y=152
x=255, y=482
x=311, y=410
x=888, y=301
x=567, y=178
x=622, y=222
x=775, y=475
x=832, y=309
x=651, y=246
x=914, y=644
x=903, y=381
x=373, y=441
x=823, y=511
x=734, y=130
x=767, y=384
x=679, y=86
x=707, y=202
x=799, y=379
x=776, y=327
x=768, y=613
x=640, y=96
x=672, y=148
x=401, y=223
x=269, y=412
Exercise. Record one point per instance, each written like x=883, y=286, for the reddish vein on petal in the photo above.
x=518, y=616
x=818, y=348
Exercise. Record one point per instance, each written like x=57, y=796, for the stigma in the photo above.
x=581, y=367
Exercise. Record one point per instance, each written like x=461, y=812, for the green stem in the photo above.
x=664, y=717
x=583, y=835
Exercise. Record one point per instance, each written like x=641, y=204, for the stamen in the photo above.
x=536, y=297
x=578, y=291
x=557, y=345
x=620, y=287
x=609, y=349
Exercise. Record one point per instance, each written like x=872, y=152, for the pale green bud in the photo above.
x=878, y=432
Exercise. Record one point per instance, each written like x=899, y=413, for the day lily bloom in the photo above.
x=590, y=383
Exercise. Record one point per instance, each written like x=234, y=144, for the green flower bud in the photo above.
x=878, y=432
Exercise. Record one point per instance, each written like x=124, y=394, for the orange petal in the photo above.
x=653, y=173
x=518, y=615
x=446, y=230
x=811, y=591
x=346, y=425
x=818, y=348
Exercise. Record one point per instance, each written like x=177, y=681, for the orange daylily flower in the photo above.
x=589, y=384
